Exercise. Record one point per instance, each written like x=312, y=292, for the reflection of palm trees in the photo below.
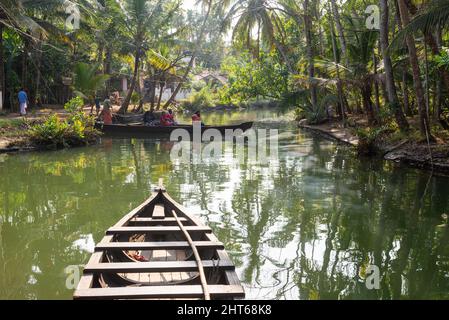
x=328, y=220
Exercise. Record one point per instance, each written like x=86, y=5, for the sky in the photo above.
x=188, y=4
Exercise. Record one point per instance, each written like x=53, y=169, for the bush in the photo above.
x=205, y=98
x=368, y=139
x=74, y=106
x=78, y=129
x=135, y=98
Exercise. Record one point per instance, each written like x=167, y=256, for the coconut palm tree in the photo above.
x=87, y=82
x=143, y=20
x=361, y=43
x=436, y=14
x=388, y=66
x=208, y=6
x=424, y=123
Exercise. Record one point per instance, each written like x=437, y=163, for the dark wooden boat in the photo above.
x=127, y=119
x=159, y=251
x=145, y=131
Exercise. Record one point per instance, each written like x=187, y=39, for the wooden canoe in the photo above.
x=145, y=131
x=159, y=251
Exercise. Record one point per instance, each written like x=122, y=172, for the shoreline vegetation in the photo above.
x=384, y=74
x=405, y=150
x=56, y=129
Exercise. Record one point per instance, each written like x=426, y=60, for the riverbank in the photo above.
x=404, y=149
x=42, y=130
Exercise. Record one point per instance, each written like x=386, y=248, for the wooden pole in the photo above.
x=197, y=257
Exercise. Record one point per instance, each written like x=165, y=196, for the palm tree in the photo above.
x=424, y=123
x=436, y=14
x=388, y=66
x=139, y=18
x=208, y=5
x=252, y=15
x=433, y=16
x=361, y=43
x=339, y=26
x=88, y=82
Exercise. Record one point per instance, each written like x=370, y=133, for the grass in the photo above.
x=10, y=123
x=13, y=128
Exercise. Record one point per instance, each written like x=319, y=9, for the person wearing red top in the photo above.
x=196, y=117
x=166, y=119
x=171, y=116
x=106, y=114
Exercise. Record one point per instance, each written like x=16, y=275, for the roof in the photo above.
x=211, y=74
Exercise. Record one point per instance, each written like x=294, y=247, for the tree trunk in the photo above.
x=407, y=107
x=192, y=59
x=340, y=31
x=424, y=124
x=341, y=110
x=153, y=93
x=125, y=104
x=2, y=69
x=37, y=91
x=388, y=66
x=366, y=91
x=24, y=78
x=376, y=85
x=281, y=48
x=161, y=92
x=310, y=52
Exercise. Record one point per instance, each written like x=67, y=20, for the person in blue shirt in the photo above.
x=23, y=102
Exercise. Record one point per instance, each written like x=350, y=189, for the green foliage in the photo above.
x=135, y=98
x=204, y=98
x=301, y=101
x=368, y=139
x=250, y=79
x=77, y=129
x=75, y=105
x=51, y=130
x=442, y=60
x=87, y=81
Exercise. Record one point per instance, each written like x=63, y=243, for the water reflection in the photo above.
x=304, y=226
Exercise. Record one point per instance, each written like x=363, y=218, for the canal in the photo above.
x=312, y=222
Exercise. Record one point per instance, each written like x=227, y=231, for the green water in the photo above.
x=304, y=226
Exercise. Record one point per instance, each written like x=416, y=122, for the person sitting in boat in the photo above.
x=171, y=114
x=149, y=119
x=106, y=114
x=166, y=120
x=197, y=118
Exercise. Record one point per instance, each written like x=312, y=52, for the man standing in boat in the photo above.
x=197, y=118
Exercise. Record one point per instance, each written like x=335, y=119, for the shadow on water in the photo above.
x=305, y=225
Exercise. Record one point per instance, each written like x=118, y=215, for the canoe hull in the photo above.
x=147, y=131
x=146, y=256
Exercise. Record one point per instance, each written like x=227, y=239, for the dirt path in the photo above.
x=335, y=131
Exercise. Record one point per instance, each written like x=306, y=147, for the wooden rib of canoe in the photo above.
x=159, y=251
x=141, y=130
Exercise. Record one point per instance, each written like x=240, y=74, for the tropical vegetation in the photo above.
x=383, y=63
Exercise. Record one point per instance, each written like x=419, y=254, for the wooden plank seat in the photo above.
x=164, y=266
x=161, y=292
x=156, y=230
x=173, y=245
x=158, y=212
